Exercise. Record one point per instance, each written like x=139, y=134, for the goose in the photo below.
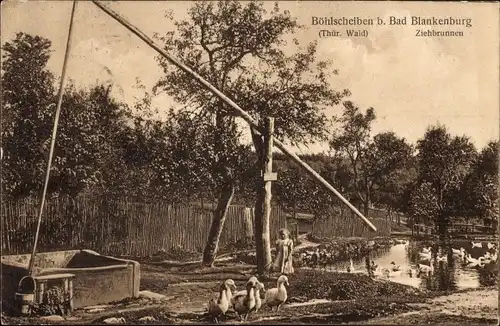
x=458, y=252
x=391, y=271
x=474, y=261
x=425, y=256
x=258, y=299
x=252, y=280
x=221, y=305
x=394, y=267
x=385, y=272
x=494, y=256
x=351, y=269
x=277, y=296
x=244, y=304
x=485, y=259
x=442, y=258
x=476, y=244
x=429, y=269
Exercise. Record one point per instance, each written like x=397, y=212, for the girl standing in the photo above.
x=284, y=249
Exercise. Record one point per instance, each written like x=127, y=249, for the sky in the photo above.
x=411, y=82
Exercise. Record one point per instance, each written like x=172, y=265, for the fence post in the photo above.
x=247, y=216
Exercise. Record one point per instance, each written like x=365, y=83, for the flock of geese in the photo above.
x=245, y=302
x=322, y=257
x=425, y=265
x=489, y=256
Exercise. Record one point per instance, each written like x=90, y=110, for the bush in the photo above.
x=344, y=286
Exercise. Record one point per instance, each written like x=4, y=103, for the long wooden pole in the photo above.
x=53, y=140
x=229, y=102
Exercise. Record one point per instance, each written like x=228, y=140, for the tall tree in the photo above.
x=87, y=156
x=89, y=151
x=481, y=189
x=237, y=48
x=444, y=163
x=28, y=106
x=370, y=162
x=388, y=172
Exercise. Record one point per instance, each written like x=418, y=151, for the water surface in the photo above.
x=452, y=274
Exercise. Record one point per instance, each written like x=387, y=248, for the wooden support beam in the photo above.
x=238, y=111
x=268, y=179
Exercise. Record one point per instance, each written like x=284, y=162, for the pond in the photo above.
x=453, y=271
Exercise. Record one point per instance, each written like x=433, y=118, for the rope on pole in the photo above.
x=232, y=104
x=53, y=140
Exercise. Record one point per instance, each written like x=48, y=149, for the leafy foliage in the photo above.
x=481, y=190
x=444, y=163
x=369, y=167
x=28, y=106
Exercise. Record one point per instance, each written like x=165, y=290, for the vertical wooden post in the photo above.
x=296, y=221
x=269, y=177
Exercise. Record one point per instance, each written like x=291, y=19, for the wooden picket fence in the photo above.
x=119, y=227
x=122, y=227
x=344, y=223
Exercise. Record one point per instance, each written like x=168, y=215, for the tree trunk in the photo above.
x=366, y=208
x=442, y=226
x=219, y=217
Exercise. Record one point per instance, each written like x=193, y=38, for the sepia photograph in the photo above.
x=249, y=162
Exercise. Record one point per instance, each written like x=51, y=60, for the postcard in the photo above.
x=200, y=162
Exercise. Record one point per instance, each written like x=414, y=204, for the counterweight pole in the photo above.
x=229, y=102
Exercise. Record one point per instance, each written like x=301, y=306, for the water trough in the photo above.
x=97, y=279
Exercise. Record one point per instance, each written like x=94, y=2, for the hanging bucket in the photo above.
x=25, y=295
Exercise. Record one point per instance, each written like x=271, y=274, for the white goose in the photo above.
x=428, y=269
x=426, y=250
x=252, y=280
x=473, y=261
x=258, y=299
x=494, y=256
x=277, y=296
x=391, y=271
x=219, y=307
x=442, y=258
x=351, y=269
x=238, y=294
x=244, y=304
x=476, y=244
x=425, y=255
x=459, y=252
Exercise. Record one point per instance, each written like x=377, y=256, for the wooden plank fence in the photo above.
x=343, y=223
x=119, y=227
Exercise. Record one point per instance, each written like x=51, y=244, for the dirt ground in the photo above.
x=340, y=298
x=314, y=297
x=475, y=307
